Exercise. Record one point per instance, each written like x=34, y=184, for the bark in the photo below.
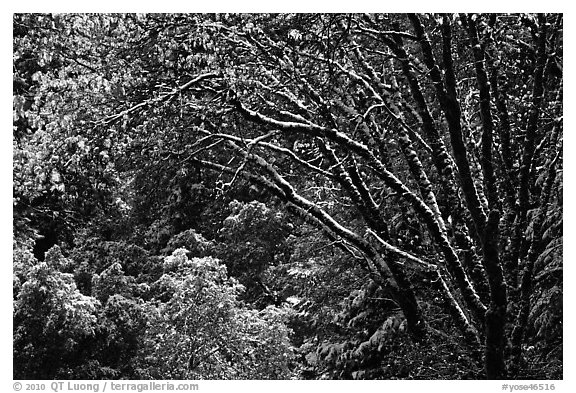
x=495, y=343
x=451, y=107
x=445, y=168
x=452, y=307
x=468, y=292
x=528, y=154
x=440, y=156
x=369, y=261
x=442, y=161
x=351, y=181
x=477, y=272
x=504, y=126
x=506, y=156
x=486, y=116
x=407, y=297
x=496, y=314
x=404, y=289
x=350, y=118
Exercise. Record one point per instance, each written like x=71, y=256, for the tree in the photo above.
x=51, y=318
x=426, y=148
x=201, y=331
x=63, y=175
x=361, y=105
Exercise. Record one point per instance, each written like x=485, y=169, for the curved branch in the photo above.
x=393, y=183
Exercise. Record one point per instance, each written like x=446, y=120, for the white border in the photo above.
x=293, y=6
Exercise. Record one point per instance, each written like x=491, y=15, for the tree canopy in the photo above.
x=248, y=196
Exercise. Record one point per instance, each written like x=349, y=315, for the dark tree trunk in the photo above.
x=494, y=361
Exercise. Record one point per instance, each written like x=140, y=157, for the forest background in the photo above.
x=339, y=358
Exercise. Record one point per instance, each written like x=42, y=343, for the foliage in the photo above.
x=287, y=195
x=51, y=320
x=202, y=332
x=251, y=241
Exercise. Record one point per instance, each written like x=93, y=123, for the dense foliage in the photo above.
x=310, y=196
